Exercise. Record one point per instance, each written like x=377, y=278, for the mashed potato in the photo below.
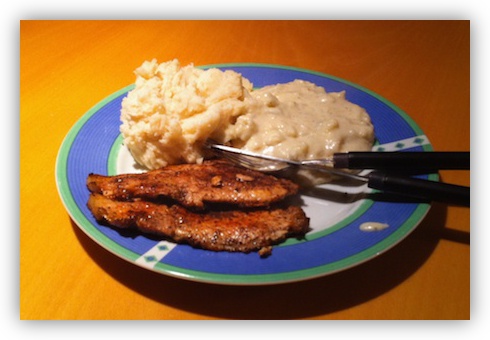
x=173, y=109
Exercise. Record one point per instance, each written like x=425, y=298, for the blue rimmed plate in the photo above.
x=336, y=241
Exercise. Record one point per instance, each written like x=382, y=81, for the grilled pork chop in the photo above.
x=193, y=185
x=230, y=230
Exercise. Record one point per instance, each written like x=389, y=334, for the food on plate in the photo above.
x=227, y=230
x=192, y=185
x=214, y=205
x=300, y=121
x=173, y=109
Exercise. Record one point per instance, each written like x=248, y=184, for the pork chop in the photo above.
x=194, y=185
x=228, y=230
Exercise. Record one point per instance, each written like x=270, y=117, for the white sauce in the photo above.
x=373, y=226
x=299, y=120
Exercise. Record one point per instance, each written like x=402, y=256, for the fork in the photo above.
x=401, y=185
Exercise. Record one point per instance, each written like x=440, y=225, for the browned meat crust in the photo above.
x=193, y=185
x=234, y=230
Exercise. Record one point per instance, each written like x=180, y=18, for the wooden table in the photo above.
x=68, y=66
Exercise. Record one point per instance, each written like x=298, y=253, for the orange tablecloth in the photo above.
x=68, y=66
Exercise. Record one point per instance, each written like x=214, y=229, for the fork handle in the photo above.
x=403, y=161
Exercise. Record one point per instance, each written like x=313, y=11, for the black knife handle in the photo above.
x=403, y=161
x=420, y=188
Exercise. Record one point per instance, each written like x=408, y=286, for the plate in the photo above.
x=336, y=241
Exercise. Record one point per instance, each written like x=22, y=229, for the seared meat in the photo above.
x=230, y=230
x=250, y=221
x=193, y=185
